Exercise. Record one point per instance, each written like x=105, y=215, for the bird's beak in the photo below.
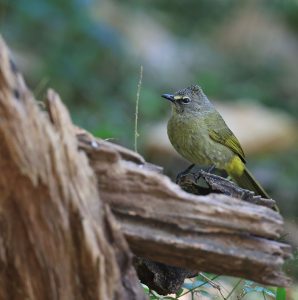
x=168, y=97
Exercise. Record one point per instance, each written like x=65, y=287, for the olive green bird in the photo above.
x=198, y=133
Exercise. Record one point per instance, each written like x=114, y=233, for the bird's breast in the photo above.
x=189, y=136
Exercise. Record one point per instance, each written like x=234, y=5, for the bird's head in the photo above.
x=188, y=100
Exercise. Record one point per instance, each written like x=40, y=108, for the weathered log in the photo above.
x=217, y=184
x=58, y=240
x=163, y=279
x=213, y=233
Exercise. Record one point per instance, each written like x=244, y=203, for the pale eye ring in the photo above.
x=185, y=100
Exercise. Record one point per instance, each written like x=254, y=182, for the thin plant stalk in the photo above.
x=234, y=288
x=136, y=134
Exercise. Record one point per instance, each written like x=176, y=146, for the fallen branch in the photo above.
x=213, y=233
x=58, y=238
x=218, y=184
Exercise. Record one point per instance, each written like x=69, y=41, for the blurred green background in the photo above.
x=90, y=51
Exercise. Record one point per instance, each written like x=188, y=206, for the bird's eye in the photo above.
x=185, y=100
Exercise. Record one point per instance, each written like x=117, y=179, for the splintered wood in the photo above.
x=58, y=240
x=213, y=233
x=58, y=237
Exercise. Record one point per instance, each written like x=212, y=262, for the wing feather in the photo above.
x=226, y=137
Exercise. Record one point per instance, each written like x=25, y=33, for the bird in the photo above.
x=198, y=133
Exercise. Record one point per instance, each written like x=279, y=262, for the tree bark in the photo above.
x=213, y=233
x=58, y=240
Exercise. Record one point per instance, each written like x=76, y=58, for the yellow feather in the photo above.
x=235, y=167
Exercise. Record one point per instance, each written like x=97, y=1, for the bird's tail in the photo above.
x=247, y=181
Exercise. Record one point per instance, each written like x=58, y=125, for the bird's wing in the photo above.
x=226, y=137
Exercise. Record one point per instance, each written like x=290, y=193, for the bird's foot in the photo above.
x=183, y=173
x=198, y=174
x=210, y=169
